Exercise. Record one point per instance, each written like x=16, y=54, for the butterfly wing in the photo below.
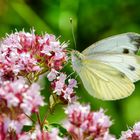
x=127, y=43
x=104, y=82
x=109, y=67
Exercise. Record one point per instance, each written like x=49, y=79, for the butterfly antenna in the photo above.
x=70, y=74
x=71, y=22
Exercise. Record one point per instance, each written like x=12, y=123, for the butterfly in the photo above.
x=109, y=68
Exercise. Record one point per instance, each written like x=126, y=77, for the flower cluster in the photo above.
x=132, y=134
x=85, y=125
x=24, y=57
x=24, y=54
x=29, y=55
x=59, y=86
x=17, y=100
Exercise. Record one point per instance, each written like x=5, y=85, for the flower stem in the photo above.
x=29, y=118
x=39, y=120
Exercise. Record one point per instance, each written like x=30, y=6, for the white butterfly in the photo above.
x=109, y=67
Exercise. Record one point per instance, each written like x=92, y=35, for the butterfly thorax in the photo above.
x=77, y=59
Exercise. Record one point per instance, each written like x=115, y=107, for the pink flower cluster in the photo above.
x=23, y=53
x=17, y=100
x=85, y=125
x=25, y=56
x=59, y=86
x=132, y=134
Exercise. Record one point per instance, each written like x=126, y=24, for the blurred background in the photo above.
x=92, y=21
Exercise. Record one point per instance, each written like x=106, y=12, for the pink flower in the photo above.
x=17, y=94
x=52, y=46
x=136, y=129
x=15, y=125
x=28, y=63
x=10, y=128
x=106, y=136
x=13, y=41
x=131, y=134
x=37, y=134
x=77, y=113
x=17, y=99
x=60, y=86
x=72, y=83
x=12, y=100
x=52, y=75
x=47, y=50
x=32, y=99
x=102, y=119
x=84, y=124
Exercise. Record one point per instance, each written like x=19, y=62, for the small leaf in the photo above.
x=53, y=100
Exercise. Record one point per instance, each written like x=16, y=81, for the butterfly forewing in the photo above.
x=127, y=43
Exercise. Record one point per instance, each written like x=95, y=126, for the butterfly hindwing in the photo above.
x=105, y=82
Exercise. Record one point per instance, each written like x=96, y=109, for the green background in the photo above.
x=92, y=21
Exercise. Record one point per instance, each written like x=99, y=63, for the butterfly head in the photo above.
x=76, y=59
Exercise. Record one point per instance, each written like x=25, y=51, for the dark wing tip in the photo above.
x=134, y=39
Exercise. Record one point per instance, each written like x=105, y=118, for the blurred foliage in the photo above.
x=92, y=21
